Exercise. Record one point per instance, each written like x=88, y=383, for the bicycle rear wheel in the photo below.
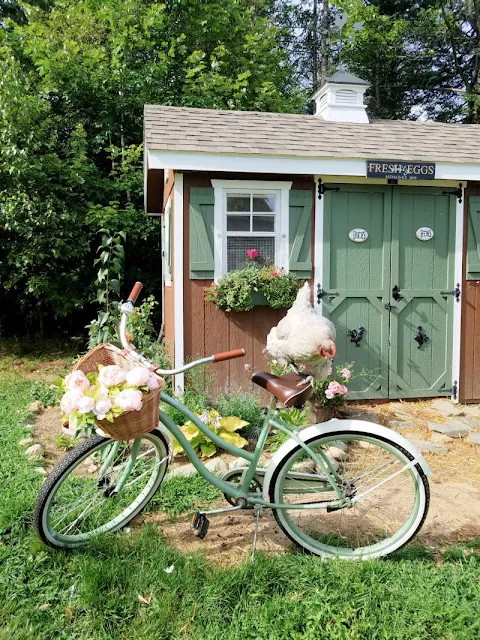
x=82, y=498
x=388, y=498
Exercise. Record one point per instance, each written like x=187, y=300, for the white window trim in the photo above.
x=220, y=218
x=167, y=242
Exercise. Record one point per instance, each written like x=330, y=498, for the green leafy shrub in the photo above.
x=48, y=395
x=233, y=292
x=246, y=407
x=298, y=418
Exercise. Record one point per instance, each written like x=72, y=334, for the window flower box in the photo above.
x=254, y=285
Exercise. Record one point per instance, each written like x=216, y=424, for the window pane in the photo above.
x=237, y=251
x=238, y=203
x=264, y=203
x=238, y=223
x=263, y=223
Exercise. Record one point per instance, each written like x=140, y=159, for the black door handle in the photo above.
x=396, y=293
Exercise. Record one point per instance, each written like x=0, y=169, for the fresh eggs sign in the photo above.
x=397, y=170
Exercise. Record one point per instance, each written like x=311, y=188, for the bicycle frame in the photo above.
x=252, y=458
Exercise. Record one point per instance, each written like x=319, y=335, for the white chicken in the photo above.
x=303, y=337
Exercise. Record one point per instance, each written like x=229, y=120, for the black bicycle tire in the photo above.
x=58, y=473
x=336, y=435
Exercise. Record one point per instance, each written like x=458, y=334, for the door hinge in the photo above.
x=455, y=292
x=321, y=292
x=455, y=390
x=458, y=193
x=322, y=189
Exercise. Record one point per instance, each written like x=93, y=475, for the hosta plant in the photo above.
x=226, y=428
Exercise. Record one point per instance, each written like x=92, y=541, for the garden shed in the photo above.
x=382, y=217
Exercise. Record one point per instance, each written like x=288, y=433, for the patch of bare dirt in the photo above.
x=48, y=426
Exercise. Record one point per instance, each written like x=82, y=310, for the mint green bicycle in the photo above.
x=344, y=488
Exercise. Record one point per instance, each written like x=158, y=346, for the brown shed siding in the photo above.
x=208, y=330
x=469, y=388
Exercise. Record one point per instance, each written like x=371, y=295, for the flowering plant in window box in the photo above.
x=255, y=284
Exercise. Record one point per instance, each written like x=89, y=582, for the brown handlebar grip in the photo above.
x=135, y=292
x=228, y=355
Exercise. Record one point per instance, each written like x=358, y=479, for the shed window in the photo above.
x=250, y=214
x=251, y=224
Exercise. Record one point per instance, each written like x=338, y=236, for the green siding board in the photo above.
x=473, y=238
x=202, y=262
x=300, y=233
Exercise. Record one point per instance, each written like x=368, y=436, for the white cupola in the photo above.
x=340, y=99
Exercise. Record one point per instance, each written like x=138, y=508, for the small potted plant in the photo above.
x=329, y=393
x=256, y=284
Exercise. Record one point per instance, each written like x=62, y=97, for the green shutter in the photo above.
x=473, y=239
x=201, y=233
x=300, y=225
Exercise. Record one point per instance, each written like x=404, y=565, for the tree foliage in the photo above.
x=74, y=78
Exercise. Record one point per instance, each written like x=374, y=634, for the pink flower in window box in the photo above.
x=252, y=254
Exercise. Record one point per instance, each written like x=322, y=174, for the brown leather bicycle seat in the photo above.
x=291, y=388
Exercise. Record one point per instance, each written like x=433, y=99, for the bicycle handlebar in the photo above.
x=127, y=308
x=135, y=292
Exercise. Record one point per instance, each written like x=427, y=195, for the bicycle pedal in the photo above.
x=200, y=525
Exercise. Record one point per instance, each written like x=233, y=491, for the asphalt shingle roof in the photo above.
x=281, y=134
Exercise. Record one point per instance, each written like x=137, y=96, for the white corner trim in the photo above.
x=167, y=225
x=179, y=352
x=220, y=187
x=318, y=248
x=457, y=309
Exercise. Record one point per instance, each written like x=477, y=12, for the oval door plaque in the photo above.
x=424, y=234
x=358, y=235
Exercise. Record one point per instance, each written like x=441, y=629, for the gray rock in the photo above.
x=397, y=424
x=471, y=410
x=429, y=447
x=35, y=407
x=452, y=429
x=472, y=423
x=28, y=422
x=217, y=466
x=26, y=442
x=440, y=438
x=446, y=408
x=304, y=466
x=41, y=471
x=185, y=471
x=336, y=453
x=340, y=445
x=334, y=464
x=474, y=438
x=238, y=462
x=35, y=452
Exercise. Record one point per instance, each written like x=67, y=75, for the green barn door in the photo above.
x=423, y=271
x=356, y=282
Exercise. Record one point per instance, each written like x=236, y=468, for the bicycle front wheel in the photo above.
x=99, y=487
x=387, y=497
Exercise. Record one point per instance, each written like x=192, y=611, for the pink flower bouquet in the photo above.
x=105, y=394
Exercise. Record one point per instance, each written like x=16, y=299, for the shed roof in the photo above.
x=282, y=134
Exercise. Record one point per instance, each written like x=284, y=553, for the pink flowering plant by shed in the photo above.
x=333, y=390
x=105, y=394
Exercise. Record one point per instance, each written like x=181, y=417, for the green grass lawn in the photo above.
x=119, y=588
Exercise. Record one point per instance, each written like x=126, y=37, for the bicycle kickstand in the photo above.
x=258, y=512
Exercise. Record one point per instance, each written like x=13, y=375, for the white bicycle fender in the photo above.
x=332, y=426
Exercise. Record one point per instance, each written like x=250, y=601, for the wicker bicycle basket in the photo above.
x=130, y=424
